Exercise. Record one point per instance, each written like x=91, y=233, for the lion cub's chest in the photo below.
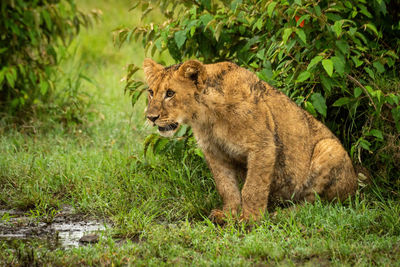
x=219, y=142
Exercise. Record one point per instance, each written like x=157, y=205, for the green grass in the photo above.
x=158, y=205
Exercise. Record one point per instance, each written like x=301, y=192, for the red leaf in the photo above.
x=301, y=23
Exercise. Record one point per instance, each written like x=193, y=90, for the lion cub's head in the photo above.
x=172, y=93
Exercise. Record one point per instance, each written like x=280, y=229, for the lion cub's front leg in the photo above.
x=225, y=178
x=255, y=192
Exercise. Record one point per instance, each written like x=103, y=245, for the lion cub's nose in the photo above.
x=153, y=118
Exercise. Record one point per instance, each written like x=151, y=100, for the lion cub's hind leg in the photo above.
x=331, y=172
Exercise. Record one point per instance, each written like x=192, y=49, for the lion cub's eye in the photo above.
x=151, y=92
x=169, y=93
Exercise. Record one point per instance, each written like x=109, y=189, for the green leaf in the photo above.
x=1, y=78
x=310, y=108
x=392, y=54
x=206, y=18
x=15, y=102
x=235, y=4
x=339, y=64
x=10, y=79
x=396, y=116
x=47, y=19
x=348, y=4
x=337, y=27
x=370, y=72
x=365, y=144
x=393, y=99
x=301, y=35
x=377, y=133
x=328, y=66
x=43, y=87
x=144, y=13
x=261, y=54
x=183, y=130
x=180, y=38
x=218, y=30
x=370, y=90
x=357, y=61
x=326, y=83
x=352, y=31
x=132, y=69
x=150, y=140
x=303, y=76
x=192, y=31
x=254, y=65
x=333, y=16
x=271, y=8
x=258, y=24
x=341, y=101
x=286, y=33
x=379, y=67
x=160, y=144
x=145, y=6
x=362, y=37
x=317, y=10
x=207, y=4
x=372, y=28
x=135, y=96
x=304, y=17
x=135, y=5
x=318, y=102
x=314, y=62
x=357, y=92
x=343, y=46
x=158, y=44
x=199, y=153
x=266, y=73
x=363, y=10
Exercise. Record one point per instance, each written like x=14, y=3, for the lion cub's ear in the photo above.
x=195, y=71
x=151, y=70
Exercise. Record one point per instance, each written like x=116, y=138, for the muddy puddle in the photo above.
x=65, y=230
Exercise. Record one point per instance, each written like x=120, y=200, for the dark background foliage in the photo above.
x=336, y=59
x=33, y=38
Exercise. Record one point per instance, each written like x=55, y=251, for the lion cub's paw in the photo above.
x=223, y=216
x=217, y=216
x=250, y=218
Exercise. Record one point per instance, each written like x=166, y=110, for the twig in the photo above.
x=354, y=80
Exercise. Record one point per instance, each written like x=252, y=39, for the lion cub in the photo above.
x=243, y=125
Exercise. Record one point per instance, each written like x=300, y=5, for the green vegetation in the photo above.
x=34, y=35
x=337, y=59
x=92, y=159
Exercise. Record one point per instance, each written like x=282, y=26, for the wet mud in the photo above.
x=64, y=230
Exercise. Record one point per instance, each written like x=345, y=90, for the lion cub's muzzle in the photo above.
x=165, y=130
x=170, y=127
x=165, y=127
x=168, y=130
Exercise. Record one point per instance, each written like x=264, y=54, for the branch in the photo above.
x=354, y=80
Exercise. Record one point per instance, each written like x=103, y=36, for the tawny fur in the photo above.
x=243, y=125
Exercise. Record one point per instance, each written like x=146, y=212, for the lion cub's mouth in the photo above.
x=170, y=127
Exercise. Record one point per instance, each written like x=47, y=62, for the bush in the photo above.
x=33, y=33
x=337, y=59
